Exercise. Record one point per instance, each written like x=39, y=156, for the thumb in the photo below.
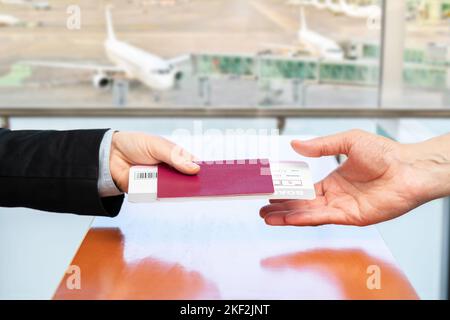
x=183, y=161
x=175, y=156
x=336, y=144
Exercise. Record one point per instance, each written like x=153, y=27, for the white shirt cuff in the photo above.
x=105, y=183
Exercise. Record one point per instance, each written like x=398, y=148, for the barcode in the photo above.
x=145, y=175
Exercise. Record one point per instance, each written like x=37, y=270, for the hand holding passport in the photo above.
x=249, y=178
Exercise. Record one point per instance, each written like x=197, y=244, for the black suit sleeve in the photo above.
x=53, y=171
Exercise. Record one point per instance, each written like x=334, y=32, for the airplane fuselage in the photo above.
x=342, y=7
x=359, y=12
x=150, y=69
x=7, y=20
x=326, y=47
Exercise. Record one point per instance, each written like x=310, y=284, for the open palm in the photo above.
x=376, y=183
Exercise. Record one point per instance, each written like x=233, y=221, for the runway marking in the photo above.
x=274, y=16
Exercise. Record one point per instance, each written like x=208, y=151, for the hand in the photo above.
x=380, y=180
x=128, y=149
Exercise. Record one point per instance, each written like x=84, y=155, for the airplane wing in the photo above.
x=180, y=59
x=74, y=65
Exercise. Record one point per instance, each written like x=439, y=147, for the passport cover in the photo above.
x=239, y=177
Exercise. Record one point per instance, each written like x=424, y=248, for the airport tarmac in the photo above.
x=191, y=26
x=241, y=26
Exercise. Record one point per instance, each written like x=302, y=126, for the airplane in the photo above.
x=353, y=11
x=325, y=47
x=9, y=21
x=334, y=7
x=319, y=4
x=41, y=5
x=134, y=63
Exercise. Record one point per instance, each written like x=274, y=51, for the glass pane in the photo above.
x=426, y=54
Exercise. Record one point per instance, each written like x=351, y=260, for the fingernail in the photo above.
x=192, y=165
x=274, y=220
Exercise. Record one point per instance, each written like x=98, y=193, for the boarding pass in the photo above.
x=291, y=180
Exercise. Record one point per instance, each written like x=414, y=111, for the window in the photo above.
x=240, y=53
x=421, y=54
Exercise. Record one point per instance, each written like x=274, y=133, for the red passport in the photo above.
x=239, y=177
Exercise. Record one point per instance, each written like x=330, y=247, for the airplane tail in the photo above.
x=344, y=5
x=109, y=24
x=303, y=24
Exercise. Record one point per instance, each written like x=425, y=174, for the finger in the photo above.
x=317, y=217
x=298, y=218
x=278, y=200
x=336, y=144
x=175, y=156
x=281, y=206
x=271, y=208
x=319, y=202
x=318, y=188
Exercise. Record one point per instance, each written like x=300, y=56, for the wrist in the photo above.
x=431, y=163
x=106, y=184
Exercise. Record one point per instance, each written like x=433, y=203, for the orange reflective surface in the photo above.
x=106, y=275
x=223, y=250
x=348, y=268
